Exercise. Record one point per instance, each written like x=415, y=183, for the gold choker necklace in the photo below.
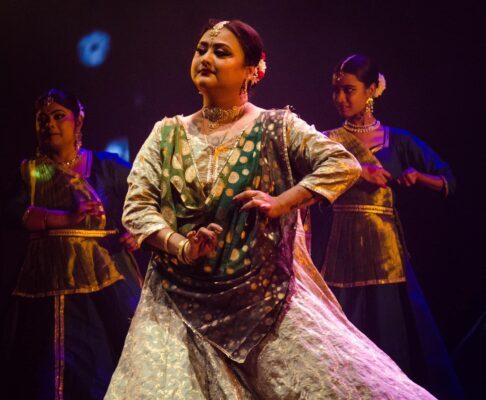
x=353, y=128
x=71, y=162
x=218, y=116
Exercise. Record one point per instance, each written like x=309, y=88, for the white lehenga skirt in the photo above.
x=313, y=353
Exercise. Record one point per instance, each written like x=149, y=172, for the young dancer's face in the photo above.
x=349, y=95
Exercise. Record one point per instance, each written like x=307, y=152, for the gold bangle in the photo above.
x=165, y=240
x=184, y=253
x=180, y=250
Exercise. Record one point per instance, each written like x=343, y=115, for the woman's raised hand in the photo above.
x=375, y=175
x=262, y=201
x=408, y=177
x=129, y=242
x=86, y=208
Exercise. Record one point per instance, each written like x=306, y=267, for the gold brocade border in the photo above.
x=385, y=144
x=32, y=181
x=315, y=189
x=363, y=208
x=366, y=283
x=59, y=346
x=286, y=145
x=89, y=289
x=97, y=233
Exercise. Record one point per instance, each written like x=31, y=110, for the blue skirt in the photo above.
x=66, y=347
x=397, y=319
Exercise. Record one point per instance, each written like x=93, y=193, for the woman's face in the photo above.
x=349, y=95
x=219, y=63
x=56, y=127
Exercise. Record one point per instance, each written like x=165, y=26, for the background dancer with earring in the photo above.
x=365, y=260
x=232, y=305
x=79, y=284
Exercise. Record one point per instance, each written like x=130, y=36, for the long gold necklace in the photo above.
x=214, y=154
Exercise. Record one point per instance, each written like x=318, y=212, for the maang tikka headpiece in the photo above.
x=381, y=84
x=340, y=73
x=48, y=101
x=216, y=29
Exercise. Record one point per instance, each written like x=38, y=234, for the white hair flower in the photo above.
x=381, y=86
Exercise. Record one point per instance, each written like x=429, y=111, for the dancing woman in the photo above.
x=79, y=284
x=366, y=263
x=232, y=306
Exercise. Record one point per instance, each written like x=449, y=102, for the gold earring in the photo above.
x=370, y=103
x=78, y=140
x=244, y=88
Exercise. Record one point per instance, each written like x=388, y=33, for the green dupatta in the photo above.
x=234, y=296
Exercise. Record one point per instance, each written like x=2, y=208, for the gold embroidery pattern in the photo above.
x=363, y=208
x=82, y=290
x=364, y=246
x=368, y=282
x=82, y=264
x=59, y=346
x=93, y=233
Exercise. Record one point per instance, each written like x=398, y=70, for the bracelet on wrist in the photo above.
x=180, y=250
x=185, y=256
x=165, y=240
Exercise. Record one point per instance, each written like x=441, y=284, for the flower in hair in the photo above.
x=81, y=109
x=261, y=68
x=381, y=86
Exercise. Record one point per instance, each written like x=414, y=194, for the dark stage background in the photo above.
x=430, y=56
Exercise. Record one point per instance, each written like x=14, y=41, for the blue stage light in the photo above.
x=93, y=48
x=119, y=146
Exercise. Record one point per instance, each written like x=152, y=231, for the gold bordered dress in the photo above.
x=367, y=265
x=77, y=289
